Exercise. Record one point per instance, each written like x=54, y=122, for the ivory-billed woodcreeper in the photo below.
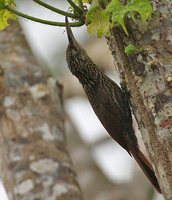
x=109, y=102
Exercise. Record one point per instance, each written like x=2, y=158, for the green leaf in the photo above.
x=131, y=49
x=117, y=11
x=4, y=3
x=144, y=8
x=84, y=1
x=5, y=15
x=98, y=21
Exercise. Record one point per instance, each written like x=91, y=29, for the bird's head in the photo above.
x=79, y=63
x=76, y=55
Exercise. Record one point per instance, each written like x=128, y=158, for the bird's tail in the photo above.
x=146, y=167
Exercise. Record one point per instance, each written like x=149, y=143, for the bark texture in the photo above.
x=148, y=76
x=34, y=163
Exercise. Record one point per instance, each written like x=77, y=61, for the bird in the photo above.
x=109, y=102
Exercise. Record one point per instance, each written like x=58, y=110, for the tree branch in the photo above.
x=61, y=12
x=81, y=4
x=75, y=7
x=42, y=21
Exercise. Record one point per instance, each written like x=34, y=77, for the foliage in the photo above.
x=84, y=1
x=131, y=49
x=99, y=21
x=5, y=15
x=114, y=14
x=100, y=17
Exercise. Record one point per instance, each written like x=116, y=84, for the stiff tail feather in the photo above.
x=146, y=167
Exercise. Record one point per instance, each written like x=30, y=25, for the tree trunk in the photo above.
x=149, y=80
x=34, y=163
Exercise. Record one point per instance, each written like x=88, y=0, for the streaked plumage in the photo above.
x=108, y=101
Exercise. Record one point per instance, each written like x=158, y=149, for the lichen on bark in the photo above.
x=150, y=89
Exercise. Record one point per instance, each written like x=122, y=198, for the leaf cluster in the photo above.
x=131, y=49
x=5, y=15
x=101, y=20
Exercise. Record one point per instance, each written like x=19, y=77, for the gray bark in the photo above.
x=148, y=76
x=34, y=162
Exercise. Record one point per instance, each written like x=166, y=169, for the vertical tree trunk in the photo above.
x=148, y=76
x=34, y=163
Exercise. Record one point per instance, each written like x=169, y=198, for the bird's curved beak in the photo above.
x=72, y=41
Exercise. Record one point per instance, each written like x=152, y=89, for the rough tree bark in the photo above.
x=148, y=76
x=34, y=163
